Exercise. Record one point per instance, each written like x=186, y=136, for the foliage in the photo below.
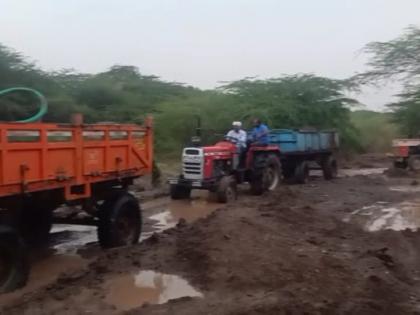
x=376, y=129
x=398, y=59
x=124, y=94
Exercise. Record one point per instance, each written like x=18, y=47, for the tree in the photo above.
x=398, y=59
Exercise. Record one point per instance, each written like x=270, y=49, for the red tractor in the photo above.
x=219, y=168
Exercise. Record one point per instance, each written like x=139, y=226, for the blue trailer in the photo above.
x=303, y=150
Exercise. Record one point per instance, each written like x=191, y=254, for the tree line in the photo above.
x=124, y=94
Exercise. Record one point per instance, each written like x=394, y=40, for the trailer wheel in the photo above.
x=414, y=163
x=14, y=265
x=329, y=167
x=119, y=221
x=36, y=224
x=180, y=192
x=302, y=172
x=226, y=190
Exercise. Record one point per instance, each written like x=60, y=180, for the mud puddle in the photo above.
x=386, y=216
x=133, y=290
x=67, y=241
x=172, y=211
x=45, y=271
x=361, y=171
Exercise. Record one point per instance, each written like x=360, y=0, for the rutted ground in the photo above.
x=299, y=249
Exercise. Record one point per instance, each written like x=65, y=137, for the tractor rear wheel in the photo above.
x=119, y=221
x=226, y=190
x=14, y=265
x=268, y=177
x=180, y=192
x=414, y=163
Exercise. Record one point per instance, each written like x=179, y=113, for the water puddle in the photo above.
x=361, y=171
x=385, y=216
x=406, y=188
x=133, y=290
x=68, y=238
x=174, y=210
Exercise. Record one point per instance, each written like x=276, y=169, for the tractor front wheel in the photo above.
x=226, y=190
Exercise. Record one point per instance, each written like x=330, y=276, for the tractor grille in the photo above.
x=192, y=163
x=192, y=168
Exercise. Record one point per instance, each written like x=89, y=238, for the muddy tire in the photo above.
x=14, y=265
x=226, y=190
x=273, y=172
x=414, y=163
x=329, y=167
x=400, y=164
x=302, y=173
x=180, y=192
x=35, y=225
x=267, y=177
x=119, y=221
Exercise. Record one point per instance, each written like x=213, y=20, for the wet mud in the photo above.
x=347, y=246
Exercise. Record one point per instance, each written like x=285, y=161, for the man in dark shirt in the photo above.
x=259, y=133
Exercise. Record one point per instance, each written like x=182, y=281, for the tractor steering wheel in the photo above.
x=231, y=139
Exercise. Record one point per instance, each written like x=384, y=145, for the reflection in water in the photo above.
x=129, y=291
x=361, y=171
x=406, y=188
x=383, y=216
x=69, y=238
x=190, y=210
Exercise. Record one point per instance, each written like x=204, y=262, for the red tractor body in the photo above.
x=218, y=168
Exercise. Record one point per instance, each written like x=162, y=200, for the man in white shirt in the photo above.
x=238, y=136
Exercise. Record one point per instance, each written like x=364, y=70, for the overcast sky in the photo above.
x=203, y=42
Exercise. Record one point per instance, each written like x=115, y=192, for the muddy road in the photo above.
x=347, y=246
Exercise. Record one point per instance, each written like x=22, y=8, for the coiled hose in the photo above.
x=43, y=104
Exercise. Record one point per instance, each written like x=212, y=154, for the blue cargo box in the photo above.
x=301, y=141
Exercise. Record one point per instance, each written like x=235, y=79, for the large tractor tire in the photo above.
x=329, y=167
x=267, y=177
x=180, y=192
x=226, y=190
x=14, y=265
x=119, y=221
x=414, y=163
x=302, y=172
x=35, y=225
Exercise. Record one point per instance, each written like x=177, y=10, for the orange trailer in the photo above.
x=43, y=166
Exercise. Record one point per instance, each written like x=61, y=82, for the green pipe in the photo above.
x=43, y=104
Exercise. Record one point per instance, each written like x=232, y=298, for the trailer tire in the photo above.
x=226, y=190
x=14, y=264
x=414, y=163
x=302, y=172
x=329, y=167
x=180, y=192
x=120, y=221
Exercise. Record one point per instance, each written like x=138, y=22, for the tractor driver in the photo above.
x=260, y=133
x=237, y=135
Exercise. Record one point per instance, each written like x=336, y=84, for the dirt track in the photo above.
x=300, y=249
